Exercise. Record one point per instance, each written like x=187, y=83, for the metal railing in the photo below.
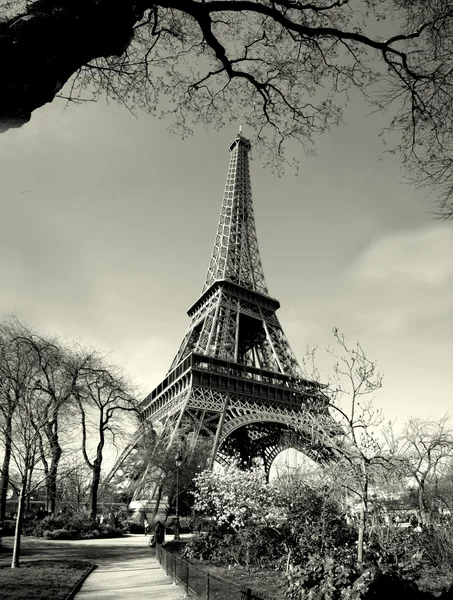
x=200, y=584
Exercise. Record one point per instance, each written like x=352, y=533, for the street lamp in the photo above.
x=178, y=461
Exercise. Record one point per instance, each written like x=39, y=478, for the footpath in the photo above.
x=126, y=567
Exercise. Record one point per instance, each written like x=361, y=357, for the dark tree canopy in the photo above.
x=284, y=67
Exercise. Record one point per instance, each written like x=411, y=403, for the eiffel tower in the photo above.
x=235, y=380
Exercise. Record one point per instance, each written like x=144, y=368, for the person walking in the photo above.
x=159, y=531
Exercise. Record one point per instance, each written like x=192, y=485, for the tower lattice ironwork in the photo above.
x=235, y=379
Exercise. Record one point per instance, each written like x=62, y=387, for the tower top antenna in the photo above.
x=240, y=129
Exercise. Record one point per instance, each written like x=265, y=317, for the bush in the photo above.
x=250, y=546
x=436, y=546
x=212, y=545
x=8, y=527
x=396, y=559
x=198, y=547
x=315, y=524
x=396, y=550
x=198, y=523
x=109, y=531
x=58, y=534
x=134, y=526
x=321, y=577
x=77, y=526
x=185, y=524
x=330, y=578
x=247, y=531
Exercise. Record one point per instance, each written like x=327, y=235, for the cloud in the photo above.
x=396, y=297
x=405, y=281
x=417, y=256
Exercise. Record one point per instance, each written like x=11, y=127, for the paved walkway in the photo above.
x=127, y=567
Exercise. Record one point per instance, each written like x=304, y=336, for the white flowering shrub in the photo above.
x=237, y=498
x=246, y=524
x=252, y=522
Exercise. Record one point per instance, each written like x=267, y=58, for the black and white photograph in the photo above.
x=226, y=299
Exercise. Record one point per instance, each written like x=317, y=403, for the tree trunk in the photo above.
x=18, y=530
x=363, y=514
x=158, y=499
x=51, y=483
x=29, y=485
x=94, y=489
x=5, y=466
x=48, y=42
x=45, y=464
x=361, y=538
x=421, y=503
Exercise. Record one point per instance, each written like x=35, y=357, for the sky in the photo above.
x=108, y=223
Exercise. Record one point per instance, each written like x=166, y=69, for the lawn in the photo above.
x=41, y=580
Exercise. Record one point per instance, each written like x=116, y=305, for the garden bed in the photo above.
x=433, y=582
x=267, y=581
x=42, y=579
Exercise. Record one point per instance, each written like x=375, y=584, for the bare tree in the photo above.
x=20, y=372
x=71, y=387
x=425, y=449
x=28, y=423
x=73, y=485
x=284, y=67
x=58, y=369
x=11, y=387
x=358, y=454
x=104, y=398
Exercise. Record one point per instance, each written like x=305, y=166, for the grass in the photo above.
x=41, y=579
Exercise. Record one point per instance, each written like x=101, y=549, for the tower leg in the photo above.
x=178, y=423
x=217, y=434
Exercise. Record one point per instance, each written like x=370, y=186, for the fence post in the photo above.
x=174, y=568
x=207, y=587
x=187, y=577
